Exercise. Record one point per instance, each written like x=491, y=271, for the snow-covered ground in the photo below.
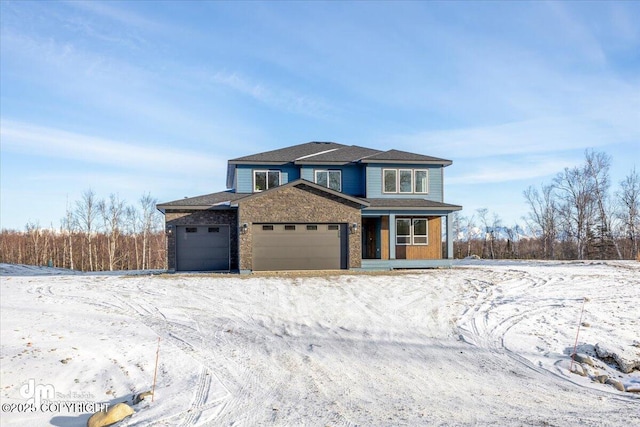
x=482, y=343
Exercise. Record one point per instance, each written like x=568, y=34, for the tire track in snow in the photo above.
x=162, y=325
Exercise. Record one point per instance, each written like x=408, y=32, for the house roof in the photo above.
x=340, y=156
x=208, y=201
x=409, y=204
x=228, y=199
x=288, y=154
x=397, y=156
x=334, y=153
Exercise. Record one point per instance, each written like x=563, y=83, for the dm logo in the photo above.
x=37, y=393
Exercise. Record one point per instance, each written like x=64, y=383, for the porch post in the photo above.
x=392, y=236
x=450, y=236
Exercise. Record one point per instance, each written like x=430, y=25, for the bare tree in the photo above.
x=575, y=191
x=33, y=231
x=69, y=225
x=629, y=208
x=484, y=221
x=86, y=215
x=597, y=166
x=111, y=214
x=148, y=205
x=470, y=227
x=132, y=220
x=544, y=216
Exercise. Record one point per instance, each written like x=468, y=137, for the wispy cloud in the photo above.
x=544, y=135
x=43, y=141
x=507, y=169
x=119, y=15
x=273, y=96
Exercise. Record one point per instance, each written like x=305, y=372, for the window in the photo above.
x=390, y=180
x=312, y=227
x=403, y=232
x=332, y=227
x=405, y=181
x=264, y=180
x=420, y=236
x=214, y=229
x=267, y=228
x=412, y=231
x=406, y=177
x=330, y=179
x=290, y=228
x=420, y=181
x=192, y=229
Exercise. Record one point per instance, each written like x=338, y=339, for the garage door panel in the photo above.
x=202, y=248
x=317, y=247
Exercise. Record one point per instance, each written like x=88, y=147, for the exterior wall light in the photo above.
x=244, y=228
x=169, y=230
x=353, y=228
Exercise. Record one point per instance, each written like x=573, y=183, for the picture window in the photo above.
x=405, y=181
x=265, y=179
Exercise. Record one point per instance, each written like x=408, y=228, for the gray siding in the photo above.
x=374, y=182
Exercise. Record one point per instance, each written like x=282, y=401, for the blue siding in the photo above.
x=306, y=172
x=374, y=182
x=352, y=177
x=244, y=174
x=244, y=179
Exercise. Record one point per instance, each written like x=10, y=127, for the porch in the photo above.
x=406, y=239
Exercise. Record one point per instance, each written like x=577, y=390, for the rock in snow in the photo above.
x=116, y=413
x=626, y=357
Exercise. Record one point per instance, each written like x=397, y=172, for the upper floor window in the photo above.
x=330, y=179
x=264, y=180
x=405, y=181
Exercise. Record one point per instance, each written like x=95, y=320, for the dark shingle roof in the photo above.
x=288, y=154
x=346, y=154
x=334, y=153
x=208, y=200
x=397, y=156
x=409, y=204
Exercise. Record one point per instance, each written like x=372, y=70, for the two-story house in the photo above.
x=320, y=206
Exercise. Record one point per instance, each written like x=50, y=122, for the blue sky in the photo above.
x=135, y=97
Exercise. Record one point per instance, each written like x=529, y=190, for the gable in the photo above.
x=306, y=186
x=298, y=204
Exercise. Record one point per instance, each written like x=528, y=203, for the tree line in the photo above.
x=94, y=235
x=575, y=216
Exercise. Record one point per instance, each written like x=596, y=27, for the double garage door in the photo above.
x=202, y=247
x=299, y=247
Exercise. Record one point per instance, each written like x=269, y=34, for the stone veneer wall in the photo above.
x=209, y=217
x=295, y=205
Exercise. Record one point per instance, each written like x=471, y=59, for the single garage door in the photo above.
x=202, y=247
x=299, y=246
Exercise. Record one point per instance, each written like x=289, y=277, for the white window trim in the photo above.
x=384, y=188
x=413, y=181
x=315, y=175
x=404, y=235
x=255, y=171
x=412, y=235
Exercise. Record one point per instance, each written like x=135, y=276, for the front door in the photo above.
x=370, y=246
